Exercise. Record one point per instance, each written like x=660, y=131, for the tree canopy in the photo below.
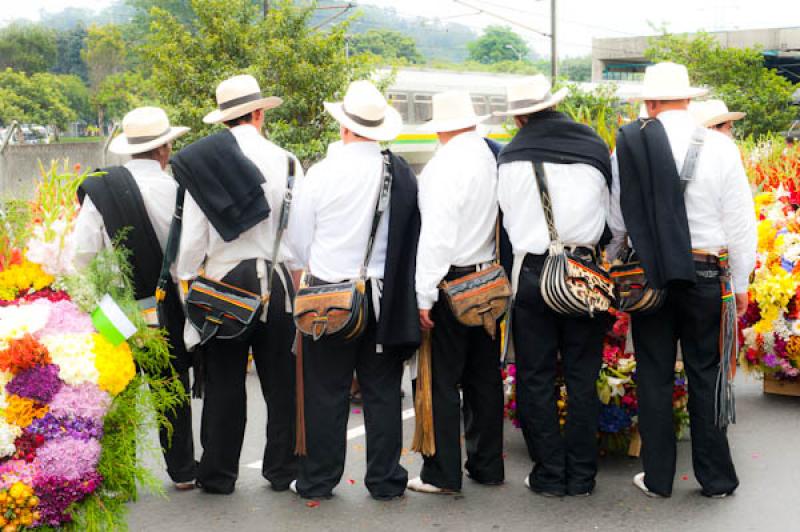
x=498, y=43
x=735, y=75
x=27, y=47
x=35, y=99
x=388, y=44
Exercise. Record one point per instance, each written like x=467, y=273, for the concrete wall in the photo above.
x=19, y=164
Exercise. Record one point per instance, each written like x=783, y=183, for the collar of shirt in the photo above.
x=146, y=168
x=357, y=149
x=679, y=118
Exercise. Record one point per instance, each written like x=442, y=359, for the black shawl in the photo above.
x=506, y=257
x=553, y=137
x=398, y=326
x=652, y=203
x=225, y=183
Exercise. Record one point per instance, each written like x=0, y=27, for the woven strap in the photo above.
x=283, y=221
x=173, y=242
x=381, y=205
x=544, y=195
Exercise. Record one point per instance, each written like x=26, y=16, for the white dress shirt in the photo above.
x=458, y=205
x=332, y=217
x=719, y=202
x=158, y=194
x=580, y=197
x=203, y=247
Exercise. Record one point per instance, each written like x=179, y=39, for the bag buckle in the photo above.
x=210, y=328
x=489, y=324
x=318, y=327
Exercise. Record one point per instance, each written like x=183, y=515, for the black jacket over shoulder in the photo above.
x=398, y=326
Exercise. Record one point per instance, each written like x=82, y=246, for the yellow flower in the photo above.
x=762, y=200
x=19, y=278
x=114, y=364
x=766, y=235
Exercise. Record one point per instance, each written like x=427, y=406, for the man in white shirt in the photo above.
x=330, y=226
x=680, y=235
x=458, y=205
x=578, y=174
x=241, y=256
x=140, y=198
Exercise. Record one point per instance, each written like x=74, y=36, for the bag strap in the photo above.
x=171, y=251
x=544, y=195
x=380, y=207
x=283, y=221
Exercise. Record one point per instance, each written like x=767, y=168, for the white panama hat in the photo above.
x=238, y=96
x=366, y=112
x=452, y=110
x=713, y=112
x=144, y=129
x=667, y=81
x=532, y=95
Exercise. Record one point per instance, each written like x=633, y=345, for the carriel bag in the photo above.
x=632, y=291
x=340, y=310
x=480, y=298
x=571, y=284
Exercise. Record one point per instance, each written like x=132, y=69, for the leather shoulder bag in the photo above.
x=571, y=284
x=632, y=291
x=340, y=311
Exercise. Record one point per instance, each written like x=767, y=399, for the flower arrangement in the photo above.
x=70, y=398
x=770, y=329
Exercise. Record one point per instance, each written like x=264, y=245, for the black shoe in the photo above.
x=543, y=493
x=484, y=482
x=293, y=487
x=279, y=486
x=386, y=498
x=213, y=489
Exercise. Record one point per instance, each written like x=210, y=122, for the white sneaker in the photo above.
x=293, y=486
x=416, y=484
x=638, y=481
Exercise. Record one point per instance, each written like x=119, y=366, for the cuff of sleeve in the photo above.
x=426, y=301
x=741, y=283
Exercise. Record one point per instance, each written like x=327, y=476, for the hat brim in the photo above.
x=724, y=117
x=554, y=100
x=453, y=124
x=388, y=130
x=689, y=94
x=218, y=116
x=121, y=146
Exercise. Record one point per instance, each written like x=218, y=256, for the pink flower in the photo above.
x=85, y=400
x=68, y=458
x=66, y=317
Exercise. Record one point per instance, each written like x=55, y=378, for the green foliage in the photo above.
x=599, y=109
x=735, y=75
x=576, y=68
x=388, y=44
x=37, y=99
x=302, y=66
x=76, y=94
x=498, y=43
x=69, y=44
x=119, y=93
x=105, y=53
x=501, y=67
x=27, y=47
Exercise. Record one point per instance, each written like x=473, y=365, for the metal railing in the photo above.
x=9, y=134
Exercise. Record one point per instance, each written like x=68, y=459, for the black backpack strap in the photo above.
x=171, y=251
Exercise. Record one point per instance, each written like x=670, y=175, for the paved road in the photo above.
x=765, y=442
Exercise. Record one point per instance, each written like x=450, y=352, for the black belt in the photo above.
x=460, y=271
x=532, y=259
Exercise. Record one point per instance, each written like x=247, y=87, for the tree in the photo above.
x=498, y=43
x=36, y=99
x=27, y=48
x=735, y=75
x=290, y=60
x=576, y=68
x=388, y=44
x=69, y=45
x=105, y=54
x=119, y=93
x=76, y=95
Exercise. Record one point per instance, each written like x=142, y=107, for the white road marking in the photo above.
x=355, y=432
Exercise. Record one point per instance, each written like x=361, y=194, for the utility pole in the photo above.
x=553, y=47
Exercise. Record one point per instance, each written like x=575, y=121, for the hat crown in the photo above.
x=365, y=101
x=667, y=81
x=452, y=105
x=715, y=107
x=145, y=122
x=237, y=87
x=535, y=88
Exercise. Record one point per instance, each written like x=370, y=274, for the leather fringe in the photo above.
x=300, y=419
x=724, y=399
x=424, y=439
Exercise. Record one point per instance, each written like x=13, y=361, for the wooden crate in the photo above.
x=781, y=387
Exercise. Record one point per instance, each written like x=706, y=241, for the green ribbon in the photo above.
x=105, y=327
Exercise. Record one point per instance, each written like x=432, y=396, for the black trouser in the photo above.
x=691, y=315
x=328, y=373
x=564, y=464
x=467, y=356
x=178, y=447
x=225, y=402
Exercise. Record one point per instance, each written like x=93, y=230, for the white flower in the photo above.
x=18, y=320
x=55, y=255
x=74, y=354
x=8, y=433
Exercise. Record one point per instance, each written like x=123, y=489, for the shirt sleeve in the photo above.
x=89, y=234
x=616, y=223
x=194, y=240
x=738, y=220
x=302, y=220
x=439, y=232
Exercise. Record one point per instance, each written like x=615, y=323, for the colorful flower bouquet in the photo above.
x=70, y=396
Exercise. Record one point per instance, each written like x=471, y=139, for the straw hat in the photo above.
x=531, y=95
x=144, y=129
x=452, y=110
x=712, y=112
x=366, y=112
x=667, y=81
x=238, y=96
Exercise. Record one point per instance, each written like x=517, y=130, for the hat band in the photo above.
x=224, y=106
x=362, y=121
x=519, y=104
x=149, y=138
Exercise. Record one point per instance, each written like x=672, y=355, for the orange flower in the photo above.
x=21, y=411
x=23, y=353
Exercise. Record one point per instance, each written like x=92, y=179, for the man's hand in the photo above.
x=742, y=301
x=425, y=319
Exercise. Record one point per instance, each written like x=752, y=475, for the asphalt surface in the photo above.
x=765, y=443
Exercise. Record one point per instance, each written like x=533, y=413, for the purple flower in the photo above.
x=770, y=360
x=40, y=383
x=85, y=400
x=56, y=494
x=80, y=428
x=69, y=458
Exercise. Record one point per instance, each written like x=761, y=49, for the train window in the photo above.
x=497, y=103
x=400, y=102
x=479, y=103
x=422, y=108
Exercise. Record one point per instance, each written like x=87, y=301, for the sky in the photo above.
x=578, y=20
